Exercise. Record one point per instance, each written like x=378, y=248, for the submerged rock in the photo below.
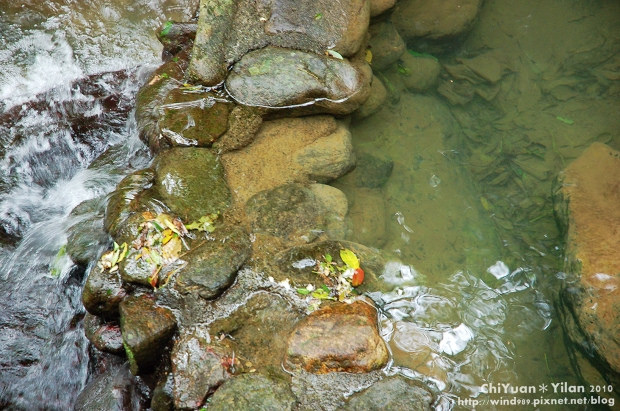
x=419, y=19
x=376, y=98
x=253, y=392
x=146, y=329
x=212, y=266
x=420, y=73
x=228, y=29
x=198, y=368
x=190, y=182
x=393, y=393
x=291, y=212
x=338, y=338
x=385, y=44
x=258, y=329
x=586, y=202
x=277, y=78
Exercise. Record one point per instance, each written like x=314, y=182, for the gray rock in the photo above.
x=393, y=393
x=228, y=29
x=372, y=171
x=278, y=78
x=190, y=182
x=105, y=336
x=146, y=330
x=253, y=392
x=115, y=390
x=175, y=37
x=212, y=266
x=198, y=368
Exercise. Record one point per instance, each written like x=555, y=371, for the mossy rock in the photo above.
x=190, y=181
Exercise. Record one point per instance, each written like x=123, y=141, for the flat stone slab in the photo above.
x=253, y=392
x=337, y=338
x=587, y=203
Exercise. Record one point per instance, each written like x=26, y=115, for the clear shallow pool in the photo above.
x=475, y=253
x=468, y=212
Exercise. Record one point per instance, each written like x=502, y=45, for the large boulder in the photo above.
x=190, y=182
x=228, y=29
x=278, y=78
x=586, y=202
x=338, y=338
x=147, y=329
x=290, y=150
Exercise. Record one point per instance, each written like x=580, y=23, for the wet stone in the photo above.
x=586, y=202
x=86, y=239
x=125, y=200
x=393, y=393
x=105, y=336
x=291, y=212
x=284, y=78
x=258, y=330
x=337, y=338
x=146, y=329
x=190, y=182
x=375, y=101
x=420, y=73
x=175, y=37
x=229, y=29
x=114, y=390
x=103, y=292
x=298, y=263
x=437, y=20
x=253, y=392
x=162, y=399
x=243, y=124
x=198, y=368
x=385, y=44
x=212, y=266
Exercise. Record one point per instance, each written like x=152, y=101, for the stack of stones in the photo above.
x=247, y=119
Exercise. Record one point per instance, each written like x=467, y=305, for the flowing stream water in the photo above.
x=477, y=256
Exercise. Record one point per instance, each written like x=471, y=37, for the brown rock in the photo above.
x=420, y=72
x=587, y=204
x=434, y=19
x=338, y=338
x=103, y=292
x=146, y=329
x=281, y=153
x=379, y=6
x=376, y=98
x=386, y=45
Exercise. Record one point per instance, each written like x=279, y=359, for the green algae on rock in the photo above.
x=190, y=182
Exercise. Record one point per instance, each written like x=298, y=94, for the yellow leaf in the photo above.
x=349, y=258
x=148, y=216
x=368, y=56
